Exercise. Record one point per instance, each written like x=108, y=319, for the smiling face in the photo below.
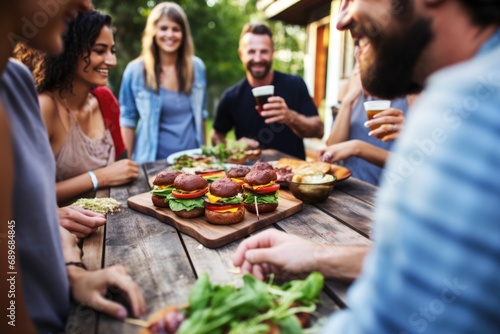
x=102, y=58
x=168, y=35
x=256, y=54
x=43, y=25
x=391, y=37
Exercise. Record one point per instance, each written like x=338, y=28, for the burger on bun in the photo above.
x=237, y=174
x=186, y=200
x=162, y=187
x=224, y=205
x=260, y=184
x=261, y=165
x=211, y=174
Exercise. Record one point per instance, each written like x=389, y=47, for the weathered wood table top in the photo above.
x=165, y=263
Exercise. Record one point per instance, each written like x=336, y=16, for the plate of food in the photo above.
x=194, y=154
x=286, y=166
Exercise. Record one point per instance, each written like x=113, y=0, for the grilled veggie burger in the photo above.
x=260, y=184
x=225, y=204
x=186, y=200
x=237, y=174
x=162, y=187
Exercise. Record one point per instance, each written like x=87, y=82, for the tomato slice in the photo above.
x=193, y=194
x=215, y=207
x=263, y=190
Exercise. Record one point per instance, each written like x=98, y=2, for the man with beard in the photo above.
x=288, y=116
x=434, y=265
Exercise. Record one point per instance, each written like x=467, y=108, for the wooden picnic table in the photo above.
x=165, y=263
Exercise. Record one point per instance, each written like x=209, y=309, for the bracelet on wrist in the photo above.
x=94, y=180
x=76, y=264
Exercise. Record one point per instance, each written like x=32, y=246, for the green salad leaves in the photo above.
x=250, y=309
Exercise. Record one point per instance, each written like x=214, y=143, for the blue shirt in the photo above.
x=435, y=264
x=141, y=108
x=361, y=168
x=177, y=128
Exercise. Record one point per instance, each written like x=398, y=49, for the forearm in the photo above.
x=128, y=135
x=342, y=124
x=371, y=153
x=303, y=126
x=218, y=137
x=71, y=188
x=340, y=262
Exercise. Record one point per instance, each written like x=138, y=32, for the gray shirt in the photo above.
x=38, y=245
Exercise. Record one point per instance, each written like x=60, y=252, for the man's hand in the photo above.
x=275, y=252
x=276, y=110
x=251, y=143
x=280, y=253
x=90, y=287
x=79, y=221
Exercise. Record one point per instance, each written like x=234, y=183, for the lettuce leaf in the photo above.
x=261, y=199
x=177, y=204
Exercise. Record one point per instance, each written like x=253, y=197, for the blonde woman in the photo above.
x=163, y=92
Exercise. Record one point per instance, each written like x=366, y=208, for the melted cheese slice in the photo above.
x=162, y=187
x=263, y=185
x=227, y=210
x=212, y=198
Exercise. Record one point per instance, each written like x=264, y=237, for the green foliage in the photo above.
x=216, y=27
x=249, y=309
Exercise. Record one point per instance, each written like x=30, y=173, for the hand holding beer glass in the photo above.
x=261, y=95
x=380, y=130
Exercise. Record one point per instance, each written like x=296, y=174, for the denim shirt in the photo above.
x=141, y=108
x=434, y=266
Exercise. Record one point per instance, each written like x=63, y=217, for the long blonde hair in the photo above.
x=150, y=52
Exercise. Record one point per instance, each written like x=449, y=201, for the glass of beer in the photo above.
x=374, y=107
x=261, y=94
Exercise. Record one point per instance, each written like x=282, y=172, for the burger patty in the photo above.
x=159, y=201
x=259, y=177
x=225, y=218
x=190, y=214
x=224, y=187
x=190, y=182
x=238, y=172
x=166, y=177
x=263, y=208
x=261, y=165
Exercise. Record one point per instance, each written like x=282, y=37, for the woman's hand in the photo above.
x=340, y=151
x=79, y=221
x=118, y=173
x=390, y=121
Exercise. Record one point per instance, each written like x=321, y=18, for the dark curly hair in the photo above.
x=57, y=72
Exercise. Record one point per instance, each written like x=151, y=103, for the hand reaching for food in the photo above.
x=79, y=221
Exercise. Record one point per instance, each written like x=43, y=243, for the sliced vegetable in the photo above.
x=222, y=208
x=187, y=195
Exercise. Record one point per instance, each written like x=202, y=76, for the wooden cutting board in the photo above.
x=211, y=235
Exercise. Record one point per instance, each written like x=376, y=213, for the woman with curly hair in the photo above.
x=81, y=114
x=163, y=92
